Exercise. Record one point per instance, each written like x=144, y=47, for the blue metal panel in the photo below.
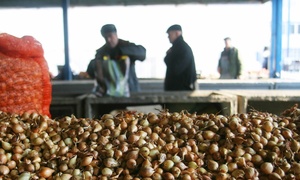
x=276, y=46
x=67, y=72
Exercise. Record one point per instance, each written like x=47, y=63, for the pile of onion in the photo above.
x=163, y=145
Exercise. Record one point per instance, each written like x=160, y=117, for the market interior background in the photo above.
x=204, y=28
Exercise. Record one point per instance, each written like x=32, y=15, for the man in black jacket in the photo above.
x=116, y=49
x=181, y=70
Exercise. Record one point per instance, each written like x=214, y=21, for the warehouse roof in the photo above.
x=57, y=3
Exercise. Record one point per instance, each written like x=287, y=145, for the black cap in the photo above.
x=108, y=28
x=174, y=27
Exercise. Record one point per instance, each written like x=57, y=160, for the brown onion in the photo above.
x=86, y=160
x=146, y=171
x=45, y=172
x=4, y=170
x=3, y=159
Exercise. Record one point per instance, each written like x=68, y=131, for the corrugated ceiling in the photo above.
x=57, y=3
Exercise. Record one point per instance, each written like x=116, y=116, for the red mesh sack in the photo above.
x=25, y=84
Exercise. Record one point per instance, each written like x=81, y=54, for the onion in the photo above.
x=87, y=175
x=141, y=142
x=168, y=175
x=167, y=165
x=24, y=176
x=3, y=159
x=96, y=127
x=238, y=151
x=176, y=171
x=295, y=145
x=232, y=166
x=131, y=163
x=86, y=160
x=132, y=155
x=146, y=171
x=37, y=141
x=144, y=151
x=287, y=133
x=250, y=173
x=76, y=172
x=213, y=148
x=110, y=162
x=234, y=123
x=43, y=125
x=208, y=135
x=4, y=170
x=6, y=146
x=72, y=162
x=11, y=164
x=280, y=172
x=223, y=168
x=133, y=138
x=296, y=167
x=30, y=168
x=18, y=149
x=45, y=172
x=65, y=176
x=222, y=176
x=212, y=165
x=107, y=171
x=267, y=167
x=17, y=128
x=238, y=173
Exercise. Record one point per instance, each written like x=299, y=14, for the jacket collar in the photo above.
x=177, y=40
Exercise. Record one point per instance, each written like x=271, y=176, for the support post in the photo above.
x=67, y=72
x=276, y=46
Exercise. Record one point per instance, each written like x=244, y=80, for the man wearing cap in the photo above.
x=230, y=64
x=116, y=48
x=181, y=70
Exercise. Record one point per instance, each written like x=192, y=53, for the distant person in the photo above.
x=266, y=55
x=118, y=50
x=181, y=70
x=230, y=65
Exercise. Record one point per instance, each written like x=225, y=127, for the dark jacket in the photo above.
x=181, y=70
x=235, y=63
x=133, y=51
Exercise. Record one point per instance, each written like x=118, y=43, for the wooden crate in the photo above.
x=272, y=101
x=178, y=100
x=66, y=106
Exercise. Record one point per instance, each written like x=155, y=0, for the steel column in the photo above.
x=67, y=72
x=276, y=44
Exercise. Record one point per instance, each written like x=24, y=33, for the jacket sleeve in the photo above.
x=91, y=69
x=239, y=63
x=135, y=52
